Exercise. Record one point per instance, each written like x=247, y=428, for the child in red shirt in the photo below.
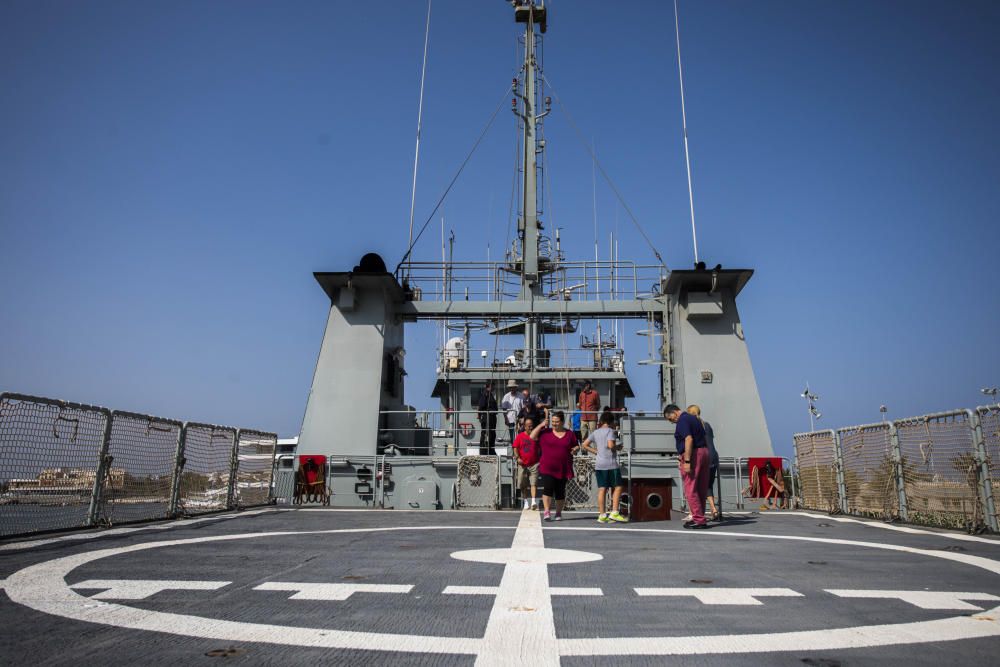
x=527, y=453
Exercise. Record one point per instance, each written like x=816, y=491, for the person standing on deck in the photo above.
x=713, y=458
x=487, y=413
x=527, y=453
x=530, y=411
x=692, y=447
x=602, y=442
x=543, y=400
x=556, y=465
x=511, y=405
x=588, y=404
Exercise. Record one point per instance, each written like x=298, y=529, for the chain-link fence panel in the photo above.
x=254, y=467
x=477, y=486
x=139, y=482
x=50, y=456
x=816, y=458
x=203, y=484
x=869, y=470
x=989, y=419
x=940, y=470
x=581, y=491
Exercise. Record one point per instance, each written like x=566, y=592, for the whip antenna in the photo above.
x=687, y=156
x=420, y=113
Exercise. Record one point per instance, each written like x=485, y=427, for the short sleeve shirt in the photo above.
x=527, y=448
x=557, y=459
x=607, y=459
x=689, y=425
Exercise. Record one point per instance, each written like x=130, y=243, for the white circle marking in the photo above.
x=42, y=587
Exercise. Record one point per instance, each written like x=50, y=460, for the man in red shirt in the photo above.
x=588, y=405
x=527, y=452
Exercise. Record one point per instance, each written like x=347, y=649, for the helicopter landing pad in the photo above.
x=291, y=586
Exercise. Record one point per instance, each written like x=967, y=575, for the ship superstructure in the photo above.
x=530, y=303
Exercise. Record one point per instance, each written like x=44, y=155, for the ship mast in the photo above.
x=532, y=15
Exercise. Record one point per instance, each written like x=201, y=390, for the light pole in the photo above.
x=814, y=414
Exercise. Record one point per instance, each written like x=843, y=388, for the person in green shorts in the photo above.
x=609, y=476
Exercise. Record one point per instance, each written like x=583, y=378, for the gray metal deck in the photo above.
x=224, y=583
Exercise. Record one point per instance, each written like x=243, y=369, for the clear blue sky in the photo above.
x=171, y=173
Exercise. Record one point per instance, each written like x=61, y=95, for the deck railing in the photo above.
x=941, y=469
x=67, y=465
x=494, y=281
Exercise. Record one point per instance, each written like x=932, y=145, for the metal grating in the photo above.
x=138, y=484
x=869, y=470
x=581, y=491
x=477, y=484
x=940, y=470
x=207, y=461
x=255, y=467
x=49, y=456
x=816, y=458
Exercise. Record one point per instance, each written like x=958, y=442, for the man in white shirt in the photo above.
x=511, y=404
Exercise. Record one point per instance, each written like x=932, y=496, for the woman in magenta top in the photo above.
x=556, y=465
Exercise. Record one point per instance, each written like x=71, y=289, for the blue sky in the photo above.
x=171, y=173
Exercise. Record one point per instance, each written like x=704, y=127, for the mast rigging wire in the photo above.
x=420, y=114
x=458, y=173
x=600, y=167
x=687, y=155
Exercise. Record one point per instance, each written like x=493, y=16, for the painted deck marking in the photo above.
x=140, y=589
x=922, y=599
x=521, y=629
x=493, y=590
x=470, y=590
x=179, y=523
x=42, y=587
x=313, y=591
x=888, y=526
x=727, y=596
x=576, y=591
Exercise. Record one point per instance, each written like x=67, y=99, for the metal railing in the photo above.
x=493, y=281
x=451, y=432
x=66, y=465
x=940, y=469
x=514, y=360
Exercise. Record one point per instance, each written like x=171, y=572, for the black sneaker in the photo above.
x=688, y=524
x=698, y=526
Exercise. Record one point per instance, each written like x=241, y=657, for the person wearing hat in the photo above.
x=487, y=413
x=511, y=404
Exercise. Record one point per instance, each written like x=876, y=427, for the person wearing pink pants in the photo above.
x=692, y=447
x=696, y=486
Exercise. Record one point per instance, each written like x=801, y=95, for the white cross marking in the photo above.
x=729, y=596
x=922, y=599
x=523, y=606
x=140, y=589
x=312, y=591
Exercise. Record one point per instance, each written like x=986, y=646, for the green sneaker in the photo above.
x=615, y=516
x=603, y=518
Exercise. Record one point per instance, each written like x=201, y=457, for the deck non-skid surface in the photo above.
x=494, y=588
